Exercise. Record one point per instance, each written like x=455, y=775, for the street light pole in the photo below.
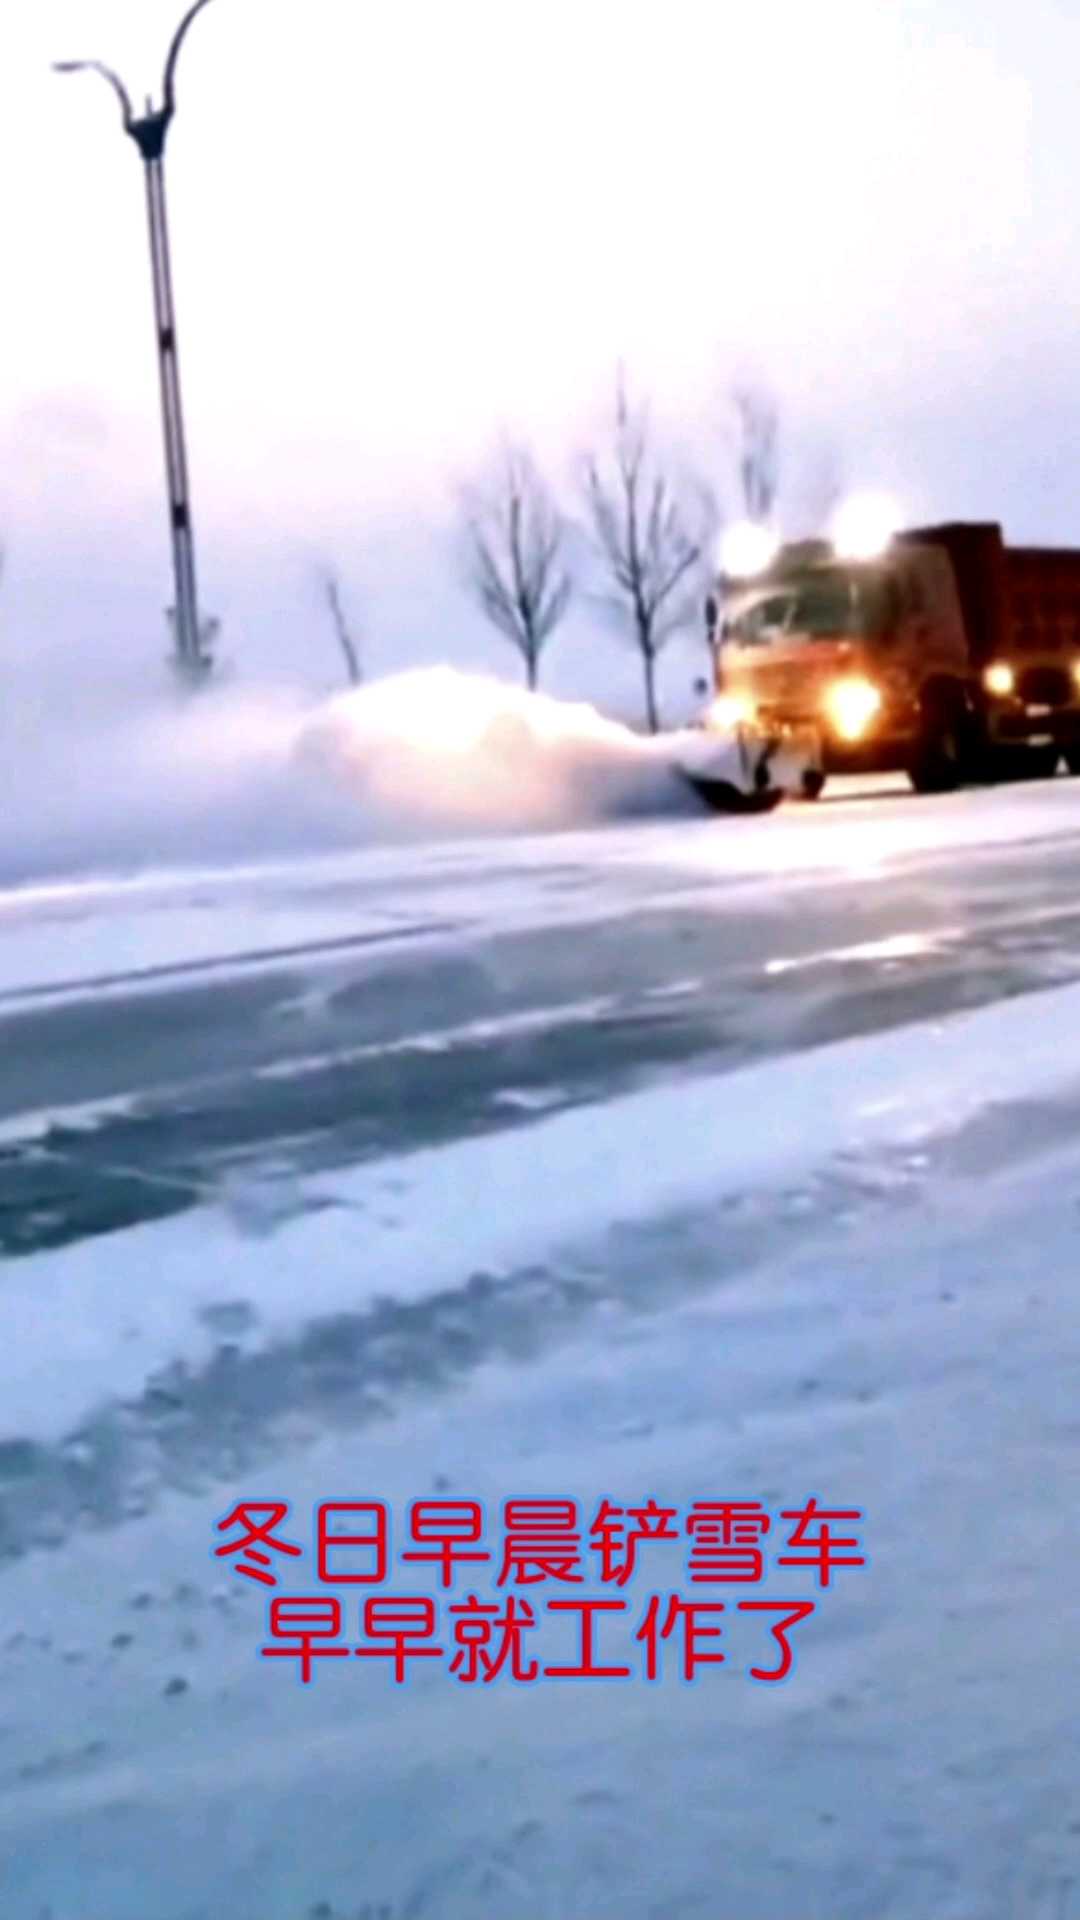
x=192, y=637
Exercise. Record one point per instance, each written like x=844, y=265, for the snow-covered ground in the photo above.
x=560, y=1180
x=55, y=931
x=852, y=1279
x=694, y=1159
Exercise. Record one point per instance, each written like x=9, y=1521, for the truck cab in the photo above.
x=947, y=655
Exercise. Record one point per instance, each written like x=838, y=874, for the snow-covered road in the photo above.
x=731, y=1160
x=168, y=1035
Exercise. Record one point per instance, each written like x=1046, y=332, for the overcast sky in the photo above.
x=399, y=227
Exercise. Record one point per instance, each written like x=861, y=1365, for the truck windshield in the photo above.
x=828, y=605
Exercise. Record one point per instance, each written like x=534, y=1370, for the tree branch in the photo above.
x=514, y=545
x=646, y=535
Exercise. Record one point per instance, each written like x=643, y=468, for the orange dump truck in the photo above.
x=949, y=655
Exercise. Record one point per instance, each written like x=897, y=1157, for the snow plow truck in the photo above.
x=948, y=655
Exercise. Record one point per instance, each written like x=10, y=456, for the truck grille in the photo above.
x=1046, y=686
x=800, y=712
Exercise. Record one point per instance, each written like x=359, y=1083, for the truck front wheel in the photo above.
x=937, y=764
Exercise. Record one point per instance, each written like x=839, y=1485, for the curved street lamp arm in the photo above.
x=174, y=55
x=114, y=80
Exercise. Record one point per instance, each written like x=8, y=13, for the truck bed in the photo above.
x=1016, y=601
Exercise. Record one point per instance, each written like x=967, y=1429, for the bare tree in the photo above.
x=758, y=451
x=346, y=638
x=648, y=539
x=516, y=543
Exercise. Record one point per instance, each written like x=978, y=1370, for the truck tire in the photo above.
x=938, y=763
x=1026, y=763
x=1072, y=759
x=1041, y=762
x=813, y=783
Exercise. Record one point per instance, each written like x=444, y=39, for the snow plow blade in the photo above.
x=742, y=770
x=720, y=796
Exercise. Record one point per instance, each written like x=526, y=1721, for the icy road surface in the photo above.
x=166, y=1036
x=723, y=1159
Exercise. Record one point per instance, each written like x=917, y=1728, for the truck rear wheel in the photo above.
x=1026, y=763
x=1072, y=759
x=1041, y=763
x=813, y=783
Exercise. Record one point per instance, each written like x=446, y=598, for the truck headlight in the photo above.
x=999, y=678
x=730, y=710
x=851, y=705
x=1076, y=672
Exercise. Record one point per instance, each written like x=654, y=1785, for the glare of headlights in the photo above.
x=863, y=526
x=730, y=710
x=851, y=705
x=999, y=678
x=1076, y=671
x=746, y=549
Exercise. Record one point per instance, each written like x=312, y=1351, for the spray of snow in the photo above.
x=437, y=745
x=242, y=773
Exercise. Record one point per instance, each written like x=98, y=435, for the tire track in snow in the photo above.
x=193, y=1428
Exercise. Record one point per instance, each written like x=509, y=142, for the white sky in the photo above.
x=399, y=226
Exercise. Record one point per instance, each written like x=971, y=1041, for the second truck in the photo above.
x=948, y=655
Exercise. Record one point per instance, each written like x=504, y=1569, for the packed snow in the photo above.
x=563, y=1178
x=766, y=1285
x=69, y=931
